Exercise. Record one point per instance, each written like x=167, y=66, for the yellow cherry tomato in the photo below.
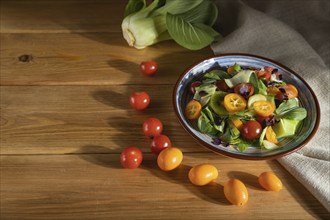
x=263, y=108
x=203, y=174
x=237, y=123
x=294, y=91
x=288, y=91
x=236, y=192
x=169, y=159
x=272, y=90
x=193, y=109
x=269, y=181
x=234, y=102
x=271, y=135
x=231, y=70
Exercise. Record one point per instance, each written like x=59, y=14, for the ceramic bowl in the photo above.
x=308, y=100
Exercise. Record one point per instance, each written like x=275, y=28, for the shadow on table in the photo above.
x=250, y=180
x=211, y=192
x=101, y=159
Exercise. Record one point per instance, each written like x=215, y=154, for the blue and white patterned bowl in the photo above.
x=181, y=96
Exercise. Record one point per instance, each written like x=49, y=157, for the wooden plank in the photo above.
x=33, y=16
x=88, y=119
x=94, y=186
x=89, y=59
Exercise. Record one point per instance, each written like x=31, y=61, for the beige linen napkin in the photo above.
x=294, y=33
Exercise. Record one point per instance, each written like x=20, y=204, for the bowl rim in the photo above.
x=233, y=155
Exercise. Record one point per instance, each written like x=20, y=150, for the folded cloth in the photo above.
x=296, y=34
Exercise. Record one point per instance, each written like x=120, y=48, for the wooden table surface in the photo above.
x=65, y=118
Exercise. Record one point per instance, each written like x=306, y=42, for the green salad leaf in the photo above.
x=297, y=114
x=254, y=81
x=231, y=134
x=205, y=124
x=243, y=145
x=286, y=106
x=244, y=115
x=262, y=87
x=258, y=84
x=217, y=75
x=237, y=67
x=210, y=123
x=290, y=109
x=204, y=92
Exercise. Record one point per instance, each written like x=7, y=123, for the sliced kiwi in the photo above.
x=216, y=103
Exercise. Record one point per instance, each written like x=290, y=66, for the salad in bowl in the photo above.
x=246, y=107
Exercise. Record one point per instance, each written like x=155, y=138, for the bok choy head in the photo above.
x=188, y=22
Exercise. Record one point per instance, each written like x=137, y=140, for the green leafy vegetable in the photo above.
x=262, y=136
x=262, y=88
x=204, y=92
x=205, y=13
x=231, y=134
x=209, y=81
x=243, y=145
x=237, y=67
x=187, y=34
x=244, y=115
x=134, y=6
x=254, y=81
x=290, y=110
x=296, y=114
x=286, y=106
x=242, y=76
x=259, y=86
x=188, y=23
x=217, y=74
x=215, y=120
x=205, y=125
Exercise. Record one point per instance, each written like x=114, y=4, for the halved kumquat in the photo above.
x=263, y=108
x=193, y=109
x=271, y=135
x=234, y=103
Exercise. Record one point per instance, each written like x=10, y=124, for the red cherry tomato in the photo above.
x=131, y=157
x=160, y=143
x=152, y=127
x=222, y=86
x=251, y=130
x=266, y=73
x=149, y=68
x=194, y=85
x=139, y=100
x=266, y=121
x=268, y=69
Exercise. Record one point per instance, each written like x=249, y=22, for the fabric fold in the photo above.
x=264, y=32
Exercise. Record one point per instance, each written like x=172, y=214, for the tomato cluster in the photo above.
x=169, y=158
x=131, y=157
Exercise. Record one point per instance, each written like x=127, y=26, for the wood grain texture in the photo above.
x=65, y=118
x=98, y=59
x=48, y=16
x=89, y=119
x=94, y=186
